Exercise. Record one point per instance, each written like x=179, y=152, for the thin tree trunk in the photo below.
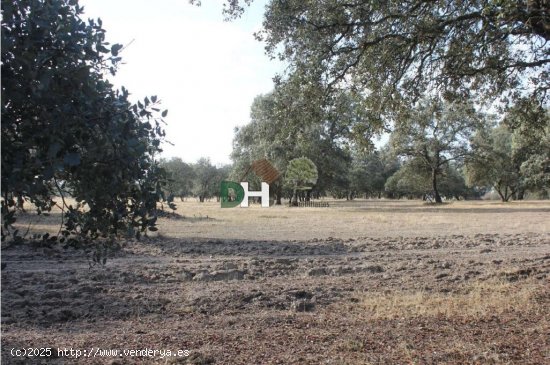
x=521, y=194
x=503, y=196
x=434, y=186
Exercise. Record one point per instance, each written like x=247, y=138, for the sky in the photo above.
x=206, y=71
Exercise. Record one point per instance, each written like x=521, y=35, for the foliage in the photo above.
x=264, y=137
x=453, y=184
x=530, y=124
x=301, y=174
x=514, y=156
x=66, y=131
x=205, y=175
x=369, y=172
x=180, y=177
x=284, y=126
x=435, y=133
x=382, y=57
x=536, y=169
x=413, y=180
x=208, y=178
x=401, y=49
x=492, y=164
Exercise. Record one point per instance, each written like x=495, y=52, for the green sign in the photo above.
x=231, y=199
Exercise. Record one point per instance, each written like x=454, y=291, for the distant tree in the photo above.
x=283, y=126
x=453, y=184
x=67, y=132
x=390, y=162
x=369, y=172
x=435, y=133
x=301, y=174
x=535, y=170
x=411, y=180
x=530, y=126
x=223, y=172
x=266, y=136
x=514, y=156
x=492, y=163
x=205, y=185
x=180, y=176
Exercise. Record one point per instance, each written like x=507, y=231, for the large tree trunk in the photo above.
x=434, y=187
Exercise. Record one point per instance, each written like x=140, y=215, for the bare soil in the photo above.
x=357, y=283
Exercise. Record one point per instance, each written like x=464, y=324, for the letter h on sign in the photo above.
x=263, y=194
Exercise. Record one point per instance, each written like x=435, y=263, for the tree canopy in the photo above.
x=283, y=126
x=363, y=67
x=530, y=125
x=435, y=133
x=180, y=177
x=66, y=131
x=408, y=47
x=492, y=164
x=513, y=156
x=397, y=51
x=301, y=174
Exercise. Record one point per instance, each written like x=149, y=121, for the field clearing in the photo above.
x=369, y=218
x=362, y=282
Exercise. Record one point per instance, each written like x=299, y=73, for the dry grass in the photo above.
x=343, y=219
x=359, y=218
x=477, y=299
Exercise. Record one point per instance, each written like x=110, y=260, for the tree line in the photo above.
x=436, y=150
x=461, y=87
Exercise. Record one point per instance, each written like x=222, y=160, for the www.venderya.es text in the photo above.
x=70, y=352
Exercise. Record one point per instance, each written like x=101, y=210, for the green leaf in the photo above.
x=102, y=49
x=115, y=48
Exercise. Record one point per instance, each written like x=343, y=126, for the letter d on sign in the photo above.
x=224, y=194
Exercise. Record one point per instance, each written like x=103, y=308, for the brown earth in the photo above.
x=356, y=283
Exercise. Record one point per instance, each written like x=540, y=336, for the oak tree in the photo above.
x=66, y=131
x=435, y=133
